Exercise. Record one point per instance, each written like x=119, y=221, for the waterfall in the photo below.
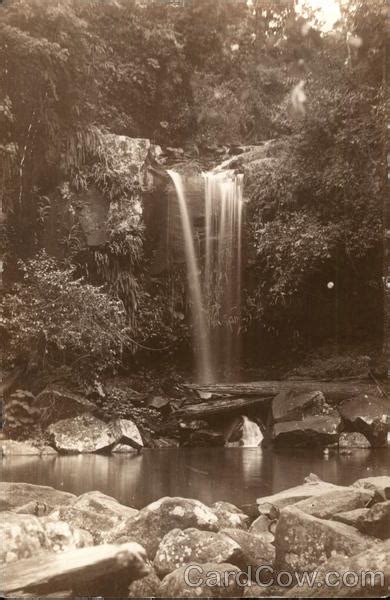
x=251, y=434
x=214, y=275
x=200, y=327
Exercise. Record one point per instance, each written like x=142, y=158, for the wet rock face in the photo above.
x=293, y=406
x=157, y=519
x=331, y=503
x=221, y=583
x=230, y=516
x=86, y=434
x=311, y=431
x=368, y=415
x=179, y=548
x=22, y=536
x=304, y=542
x=14, y=495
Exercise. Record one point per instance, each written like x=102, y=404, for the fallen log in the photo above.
x=333, y=390
x=220, y=405
x=67, y=570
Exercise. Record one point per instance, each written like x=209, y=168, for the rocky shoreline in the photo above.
x=56, y=544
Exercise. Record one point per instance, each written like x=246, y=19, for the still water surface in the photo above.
x=237, y=475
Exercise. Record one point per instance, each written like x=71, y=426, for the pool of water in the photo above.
x=237, y=475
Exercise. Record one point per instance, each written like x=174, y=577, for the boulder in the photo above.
x=353, y=439
x=380, y=486
x=98, y=524
x=229, y=515
x=86, y=433
x=106, y=505
x=14, y=448
x=262, y=528
x=22, y=536
x=376, y=521
x=14, y=495
x=255, y=551
x=317, y=431
x=147, y=587
x=373, y=563
x=193, y=581
x=180, y=548
x=154, y=521
x=350, y=517
x=293, y=495
x=294, y=406
x=98, y=568
x=327, y=505
x=304, y=542
x=56, y=403
x=368, y=415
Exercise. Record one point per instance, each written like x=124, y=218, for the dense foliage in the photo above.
x=193, y=74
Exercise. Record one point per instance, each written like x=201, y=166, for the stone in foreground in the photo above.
x=48, y=573
x=157, y=519
x=229, y=515
x=98, y=524
x=23, y=536
x=222, y=584
x=380, y=486
x=374, y=560
x=316, y=487
x=179, y=548
x=13, y=495
x=147, y=587
x=376, y=521
x=101, y=503
x=256, y=552
x=304, y=542
x=327, y=505
x=313, y=431
x=350, y=517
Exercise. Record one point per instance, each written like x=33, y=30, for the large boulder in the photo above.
x=255, y=551
x=208, y=580
x=363, y=575
x=147, y=587
x=304, y=542
x=13, y=495
x=316, y=487
x=262, y=527
x=101, y=503
x=294, y=406
x=56, y=403
x=350, y=517
x=379, y=485
x=327, y=505
x=86, y=433
x=98, y=524
x=353, y=439
x=376, y=521
x=317, y=431
x=22, y=536
x=229, y=515
x=368, y=415
x=154, y=521
x=180, y=547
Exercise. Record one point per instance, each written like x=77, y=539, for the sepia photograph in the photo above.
x=194, y=299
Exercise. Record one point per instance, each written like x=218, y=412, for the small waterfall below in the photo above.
x=251, y=434
x=214, y=272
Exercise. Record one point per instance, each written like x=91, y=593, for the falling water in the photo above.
x=201, y=329
x=251, y=434
x=214, y=275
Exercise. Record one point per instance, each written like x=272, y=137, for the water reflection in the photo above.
x=237, y=475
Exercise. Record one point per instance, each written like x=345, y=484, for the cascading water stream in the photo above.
x=251, y=434
x=214, y=275
x=200, y=326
